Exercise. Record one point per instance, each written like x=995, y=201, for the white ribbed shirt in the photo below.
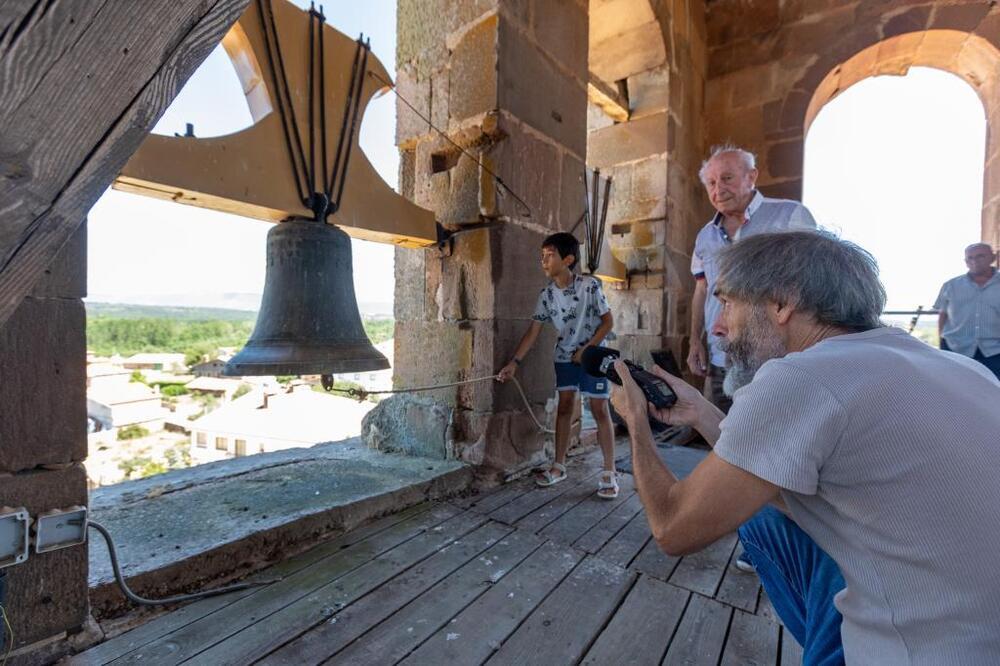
x=888, y=454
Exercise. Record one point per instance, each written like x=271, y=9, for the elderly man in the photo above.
x=730, y=178
x=969, y=305
x=883, y=450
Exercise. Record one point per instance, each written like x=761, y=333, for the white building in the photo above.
x=260, y=422
x=221, y=387
x=163, y=362
x=379, y=380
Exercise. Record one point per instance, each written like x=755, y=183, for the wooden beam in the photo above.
x=81, y=85
x=609, y=100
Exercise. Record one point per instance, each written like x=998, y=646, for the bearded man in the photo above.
x=882, y=450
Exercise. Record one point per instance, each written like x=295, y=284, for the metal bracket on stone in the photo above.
x=446, y=236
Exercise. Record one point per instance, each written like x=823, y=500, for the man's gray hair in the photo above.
x=833, y=279
x=749, y=159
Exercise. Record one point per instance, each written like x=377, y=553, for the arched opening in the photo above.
x=189, y=272
x=896, y=165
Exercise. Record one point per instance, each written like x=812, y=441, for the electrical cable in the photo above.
x=10, y=634
x=526, y=209
x=142, y=601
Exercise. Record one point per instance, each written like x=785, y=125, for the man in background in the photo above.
x=730, y=179
x=969, y=309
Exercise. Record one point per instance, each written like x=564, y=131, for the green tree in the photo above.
x=137, y=377
x=134, y=431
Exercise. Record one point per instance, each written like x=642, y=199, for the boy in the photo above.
x=577, y=308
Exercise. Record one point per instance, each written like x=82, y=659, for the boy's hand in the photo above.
x=578, y=355
x=507, y=372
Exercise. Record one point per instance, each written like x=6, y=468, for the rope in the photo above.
x=525, y=208
x=142, y=601
x=361, y=394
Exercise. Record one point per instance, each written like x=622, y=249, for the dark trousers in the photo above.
x=713, y=388
x=991, y=362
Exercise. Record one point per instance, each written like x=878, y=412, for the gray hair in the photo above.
x=749, y=159
x=833, y=279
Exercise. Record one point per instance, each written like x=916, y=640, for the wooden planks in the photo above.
x=197, y=636
x=622, y=549
x=529, y=502
x=702, y=572
x=405, y=630
x=495, y=615
x=642, y=628
x=701, y=634
x=739, y=589
x=752, y=641
x=791, y=651
x=78, y=99
x=323, y=602
x=609, y=526
x=562, y=627
x=581, y=518
x=654, y=562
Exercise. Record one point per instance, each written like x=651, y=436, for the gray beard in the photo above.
x=746, y=354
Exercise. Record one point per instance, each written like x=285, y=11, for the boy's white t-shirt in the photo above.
x=575, y=312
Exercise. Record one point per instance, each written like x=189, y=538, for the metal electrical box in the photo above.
x=61, y=528
x=13, y=536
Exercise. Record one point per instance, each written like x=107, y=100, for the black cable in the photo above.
x=525, y=208
x=356, y=74
x=349, y=138
x=142, y=601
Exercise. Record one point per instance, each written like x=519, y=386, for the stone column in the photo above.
x=657, y=203
x=43, y=440
x=506, y=80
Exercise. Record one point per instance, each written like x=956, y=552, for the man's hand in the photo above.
x=630, y=402
x=507, y=372
x=698, y=358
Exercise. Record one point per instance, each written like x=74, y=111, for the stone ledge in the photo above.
x=198, y=528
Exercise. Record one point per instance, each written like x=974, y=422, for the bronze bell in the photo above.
x=308, y=322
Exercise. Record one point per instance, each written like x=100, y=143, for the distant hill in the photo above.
x=129, y=311
x=203, y=304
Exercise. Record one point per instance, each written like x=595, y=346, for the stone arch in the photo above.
x=772, y=68
x=970, y=57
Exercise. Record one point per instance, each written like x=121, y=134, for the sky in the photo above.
x=893, y=163
x=143, y=250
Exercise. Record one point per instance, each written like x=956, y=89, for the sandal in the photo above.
x=607, y=486
x=547, y=478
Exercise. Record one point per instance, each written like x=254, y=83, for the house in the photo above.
x=221, y=387
x=267, y=420
x=211, y=368
x=115, y=405
x=164, y=362
x=379, y=380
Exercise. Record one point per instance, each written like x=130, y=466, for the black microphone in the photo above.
x=599, y=362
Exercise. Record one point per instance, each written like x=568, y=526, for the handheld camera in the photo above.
x=599, y=362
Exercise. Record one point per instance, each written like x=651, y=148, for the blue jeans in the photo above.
x=801, y=581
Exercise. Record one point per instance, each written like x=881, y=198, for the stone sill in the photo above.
x=197, y=528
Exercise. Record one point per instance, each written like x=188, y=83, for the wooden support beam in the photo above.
x=81, y=85
x=614, y=104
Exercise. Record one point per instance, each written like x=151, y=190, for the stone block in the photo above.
x=47, y=594
x=512, y=442
x=649, y=178
x=417, y=91
x=454, y=190
x=560, y=27
x=638, y=311
x=66, y=276
x=626, y=142
x=426, y=25
x=432, y=352
x=408, y=303
x=560, y=113
x=731, y=21
x=649, y=92
x=530, y=167
x=623, y=54
x=472, y=86
x=571, y=194
x=785, y=189
x=913, y=19
x=784, y=160
x=964, y=17
x=517, y=271
x=440, y=102
x=43, y=407
x=410, y=425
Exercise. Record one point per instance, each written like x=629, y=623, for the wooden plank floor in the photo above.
x=520, y=575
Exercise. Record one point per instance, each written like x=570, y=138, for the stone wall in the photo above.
x=773, y=64
x=506, y=80
x=655, y=52
x=43, y=440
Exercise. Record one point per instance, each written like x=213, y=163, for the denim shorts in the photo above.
x=571, y=377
